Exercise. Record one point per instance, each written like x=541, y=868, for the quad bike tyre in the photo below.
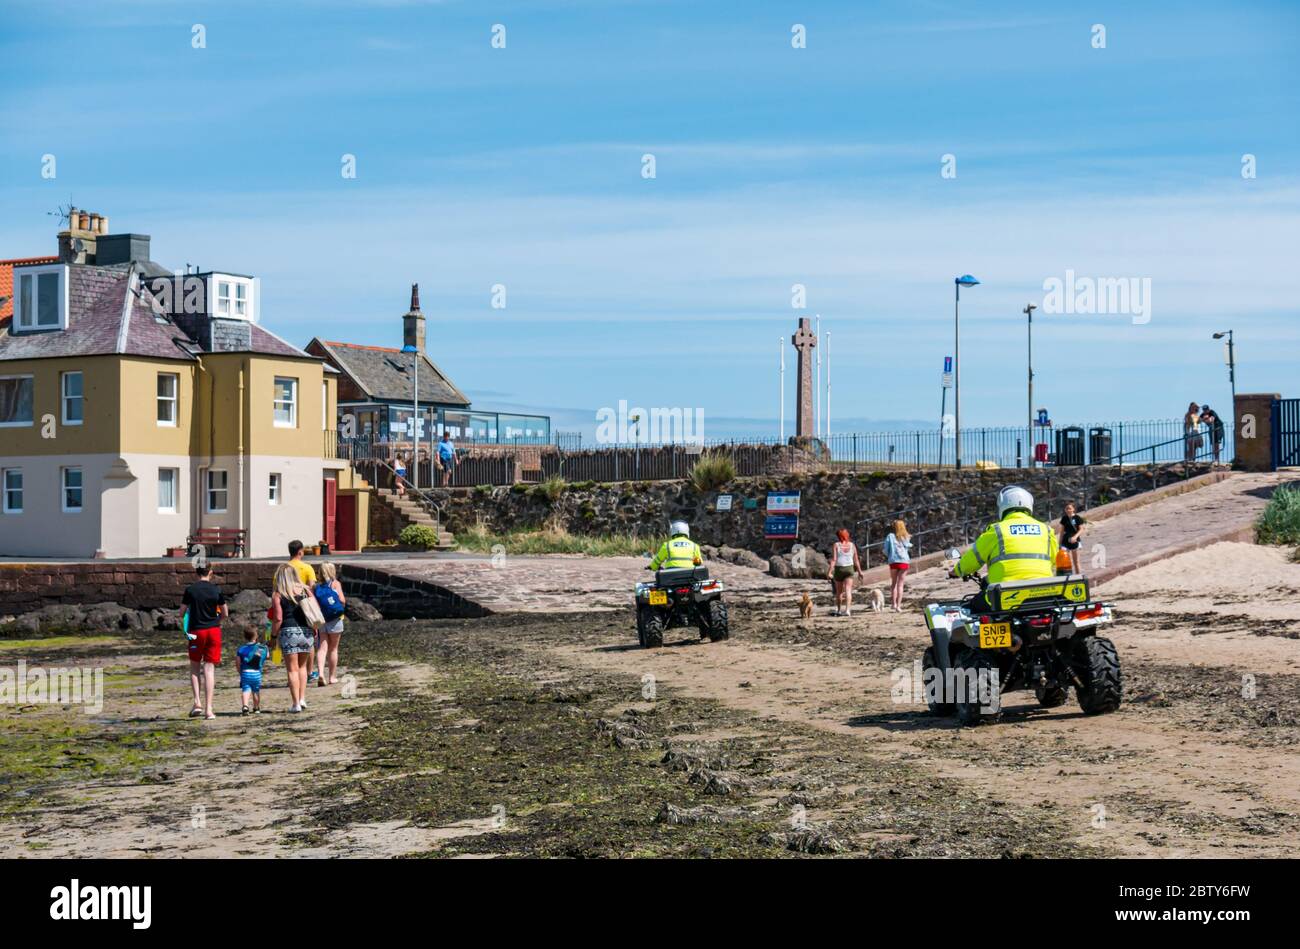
x=974, y=667
x=1103, y=688
x=927, y=663
x=718, y=628
x=649, y=628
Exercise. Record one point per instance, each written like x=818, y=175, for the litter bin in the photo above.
x=1099, y=445
x=1069, y=446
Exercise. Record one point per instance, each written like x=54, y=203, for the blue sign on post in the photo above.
x=947, y=364
x=781, y=526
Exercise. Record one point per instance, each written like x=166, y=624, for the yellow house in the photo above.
x=141, y=410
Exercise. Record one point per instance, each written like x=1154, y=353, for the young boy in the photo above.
x=252, y=655
x=202, y=608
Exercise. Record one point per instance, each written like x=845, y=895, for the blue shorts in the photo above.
x=250, y=683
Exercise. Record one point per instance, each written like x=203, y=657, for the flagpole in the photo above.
x=828, y=387
x=780, y=345
x=817, y=423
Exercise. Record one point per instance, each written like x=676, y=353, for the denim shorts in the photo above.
x=295, y=639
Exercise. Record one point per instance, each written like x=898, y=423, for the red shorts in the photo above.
x=900, y=567
x=206, y=645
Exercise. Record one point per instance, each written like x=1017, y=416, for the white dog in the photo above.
x=877, y=601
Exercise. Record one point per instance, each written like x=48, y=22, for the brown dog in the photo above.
x=805, y=606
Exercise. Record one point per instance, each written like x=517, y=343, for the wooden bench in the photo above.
x=211, y=537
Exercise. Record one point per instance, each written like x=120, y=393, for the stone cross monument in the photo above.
x=804, y=340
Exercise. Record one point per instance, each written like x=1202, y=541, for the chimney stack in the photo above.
x=77, y=243
x=413, y=322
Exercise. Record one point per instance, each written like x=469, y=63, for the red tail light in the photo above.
x=683, y=589
x=1088, y=612
x=1040, y=621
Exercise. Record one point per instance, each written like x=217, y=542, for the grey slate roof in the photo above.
x=107, y=316
x=385, y=373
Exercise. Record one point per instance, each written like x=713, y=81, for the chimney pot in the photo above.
x=415, y=298
x=103, y=224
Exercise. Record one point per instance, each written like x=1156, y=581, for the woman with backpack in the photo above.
x=329, y=595
x=294, y=615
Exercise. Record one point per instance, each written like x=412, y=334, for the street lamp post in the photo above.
x=965, y=280
x=1029, y=443
x=415, y=418
x=1232, y=365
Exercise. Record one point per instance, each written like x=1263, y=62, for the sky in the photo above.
x=898, y=146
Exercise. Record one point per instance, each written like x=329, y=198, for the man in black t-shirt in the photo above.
x=202, y=608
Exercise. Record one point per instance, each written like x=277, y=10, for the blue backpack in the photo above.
x=331, y=607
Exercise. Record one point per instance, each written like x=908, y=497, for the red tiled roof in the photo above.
x=7, y=279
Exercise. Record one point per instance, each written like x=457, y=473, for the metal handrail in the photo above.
x=430, y=503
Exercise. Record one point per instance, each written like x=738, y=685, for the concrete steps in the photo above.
x=412, y=512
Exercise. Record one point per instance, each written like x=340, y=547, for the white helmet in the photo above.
x=1013, y=496
x=679, y=527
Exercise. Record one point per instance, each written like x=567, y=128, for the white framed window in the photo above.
x=71, y=490
x=232, y=297
x=168, y=479
x=13, y=490
x=273, y=490
x=168, y=386
x=41, y=298
x=216, y=492
x=223, y=297
x=286, y=402
x=72, y=398
x=15, y=401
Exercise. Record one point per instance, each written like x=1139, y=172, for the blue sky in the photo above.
x=774, y=166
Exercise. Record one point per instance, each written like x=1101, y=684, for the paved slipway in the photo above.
x=1189, y=766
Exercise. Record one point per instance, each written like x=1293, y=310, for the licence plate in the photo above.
x=995, y=635
x=658, y=597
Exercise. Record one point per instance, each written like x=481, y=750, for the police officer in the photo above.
x=678, y=550
x=1017, y=546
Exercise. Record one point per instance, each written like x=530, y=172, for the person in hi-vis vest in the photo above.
x=1017, y=546
x=678, y=550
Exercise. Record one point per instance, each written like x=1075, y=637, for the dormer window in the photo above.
x=41, y=298
x=232, y=297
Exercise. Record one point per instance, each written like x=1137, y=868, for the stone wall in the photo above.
x=26, y=588
x=956, y=504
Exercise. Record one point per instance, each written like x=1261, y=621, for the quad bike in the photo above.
x=680, y=597
x=1028, y=634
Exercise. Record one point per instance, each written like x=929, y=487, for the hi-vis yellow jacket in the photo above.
x=1018, y=547
x=677, y=551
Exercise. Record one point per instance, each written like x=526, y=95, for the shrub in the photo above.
x=712, y=471
x=551, y=488
x=418, y=535
x=1280, y=522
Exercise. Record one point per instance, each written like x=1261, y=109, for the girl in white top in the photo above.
x=844, y=565
x=898, y=544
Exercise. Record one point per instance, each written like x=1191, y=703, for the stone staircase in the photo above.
x=412, y=512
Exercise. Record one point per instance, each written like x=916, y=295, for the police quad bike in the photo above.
x=1036, y=634
x=680, y=597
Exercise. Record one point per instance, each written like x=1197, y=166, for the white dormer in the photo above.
x=41, y=298
x=233, y=297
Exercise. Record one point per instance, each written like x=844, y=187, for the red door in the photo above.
x=347, y=522
x=331, y=494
